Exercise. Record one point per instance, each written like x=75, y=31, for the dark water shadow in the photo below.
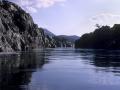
x=16, y=69
x=106, y=60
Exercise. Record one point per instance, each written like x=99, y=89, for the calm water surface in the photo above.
x=60, y=69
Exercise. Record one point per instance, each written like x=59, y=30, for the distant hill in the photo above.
x=72, y=38
x=47, y=32
x=62, y=40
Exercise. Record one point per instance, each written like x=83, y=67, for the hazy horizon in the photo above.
x=68, y=17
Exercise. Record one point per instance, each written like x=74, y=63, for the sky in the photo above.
x=72, y=17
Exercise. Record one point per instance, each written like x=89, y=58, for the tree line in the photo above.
x=104, y=37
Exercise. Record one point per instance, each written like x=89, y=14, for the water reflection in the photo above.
x=106, y=60
x=66, y=69
x=16, y=69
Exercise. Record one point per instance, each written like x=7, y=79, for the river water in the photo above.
x=60, y=69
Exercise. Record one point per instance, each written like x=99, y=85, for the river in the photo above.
x=60, y=69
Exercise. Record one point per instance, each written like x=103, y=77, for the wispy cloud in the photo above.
x=33, y=5
x=106, y=19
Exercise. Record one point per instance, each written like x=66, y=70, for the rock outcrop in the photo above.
x=18, y=31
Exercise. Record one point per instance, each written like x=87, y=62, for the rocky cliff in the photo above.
x=18, y=31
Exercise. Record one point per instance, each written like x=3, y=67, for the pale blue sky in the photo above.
x=72, y=17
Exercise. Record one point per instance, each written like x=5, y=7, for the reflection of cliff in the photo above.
x=16, y=69
x=106, y=59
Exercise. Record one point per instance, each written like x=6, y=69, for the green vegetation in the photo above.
x=103, y=37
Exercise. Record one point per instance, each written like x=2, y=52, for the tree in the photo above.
x=103, y=37
x=98, y=26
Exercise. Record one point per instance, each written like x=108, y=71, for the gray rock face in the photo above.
x=17, y=29
x=18, y=32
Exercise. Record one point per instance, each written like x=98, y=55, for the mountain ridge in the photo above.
x=62, y=40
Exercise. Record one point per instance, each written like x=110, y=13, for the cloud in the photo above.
x=34, y=5
x=106, y=19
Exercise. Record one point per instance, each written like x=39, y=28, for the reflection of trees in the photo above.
x=107, y=59
x=17, y=69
